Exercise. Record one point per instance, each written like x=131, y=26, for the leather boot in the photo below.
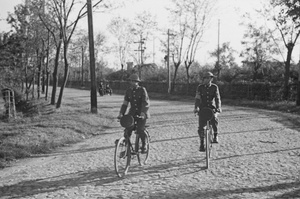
x=202, y=149
x=143, y=147
x=215, y=140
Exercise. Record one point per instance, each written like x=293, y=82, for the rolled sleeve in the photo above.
x=218, y=99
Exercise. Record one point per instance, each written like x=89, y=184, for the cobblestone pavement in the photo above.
x=258, y=157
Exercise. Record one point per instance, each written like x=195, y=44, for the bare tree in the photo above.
x=52, y=26
x=226, y=58
x=294, y=12
x=191, y=18
x=142, y=28
x=79, y=48
x=26, y=22
x=289, y=32
x=259, y=47
x=121, y=29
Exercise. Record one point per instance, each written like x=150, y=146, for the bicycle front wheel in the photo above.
x=143, y=156
x=210, y=139
x=122, y=157
x=207, y=147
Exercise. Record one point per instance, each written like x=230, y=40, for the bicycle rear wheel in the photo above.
x=207, y=146
x=143, y=157
x=122, y=157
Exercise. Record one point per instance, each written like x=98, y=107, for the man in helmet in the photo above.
x=207, y=95
x=139, y=101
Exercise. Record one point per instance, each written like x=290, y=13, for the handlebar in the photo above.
x=139, y=117
x=136, y=117
x=214, y=111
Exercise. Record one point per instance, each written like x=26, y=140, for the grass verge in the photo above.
x=46, y=129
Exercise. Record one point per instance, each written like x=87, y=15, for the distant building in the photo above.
x=129, y=66
x=150, y=65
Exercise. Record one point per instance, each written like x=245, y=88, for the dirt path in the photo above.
x=258, y=157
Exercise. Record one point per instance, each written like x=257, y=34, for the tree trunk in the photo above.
x=187, y=67
x=26, y=79
x=39, y=62
x=43, y=80
x=298, y=87
x=33, y=83
x=66, y=75
x=256, y=66
x=47, y=74
x=298, y=94
x=174, y=78
x=47, y=84
x=54, y=81
x=287, y=72
x=94, y=108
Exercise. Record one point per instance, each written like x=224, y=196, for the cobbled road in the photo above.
x=258, y=157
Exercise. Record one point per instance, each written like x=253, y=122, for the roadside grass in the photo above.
x=45, y=128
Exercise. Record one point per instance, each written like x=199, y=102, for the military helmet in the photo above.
x=134, y=77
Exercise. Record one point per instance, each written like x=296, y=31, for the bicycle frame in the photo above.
x=133, y=150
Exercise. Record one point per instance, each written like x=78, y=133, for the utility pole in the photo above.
x=141, y=49
x=92, y=58
x=82, y=62
x=218, y=62
x=298, y=85
x=153, y=49
x=168, y=61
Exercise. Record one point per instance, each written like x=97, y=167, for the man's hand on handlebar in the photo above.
x=196, y=110
x=142, y=116
x=217, y=110
x=120, y=116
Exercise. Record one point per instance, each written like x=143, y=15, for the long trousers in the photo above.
x=140, y=129
x=202, y=124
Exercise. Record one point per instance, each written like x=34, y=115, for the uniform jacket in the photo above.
x=139, y=101
x=208, y=96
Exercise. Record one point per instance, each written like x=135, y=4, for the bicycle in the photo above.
x=207, y=114
x=128, y=146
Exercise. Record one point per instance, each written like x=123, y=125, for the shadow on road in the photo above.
x=170, y=169
x=259, y=153
x=234, y=193
x=29, y=188
x=99, y=177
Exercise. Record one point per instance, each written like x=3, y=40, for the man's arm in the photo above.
x=197, y=100
x=124, y=105
x=218, y=100
x=145, y=104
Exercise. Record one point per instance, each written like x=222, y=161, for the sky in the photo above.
x=5, y=7
x=228, y=12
